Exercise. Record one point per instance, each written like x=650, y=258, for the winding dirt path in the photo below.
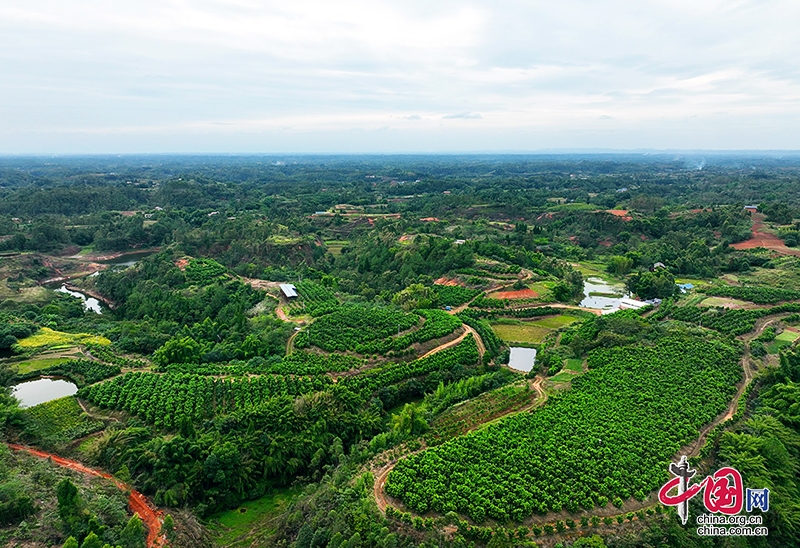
x=139, y=504
x=761, y=238
x=747, y=366
x=630, y=505
x=449, y=344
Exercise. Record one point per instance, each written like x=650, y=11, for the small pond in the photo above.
x=127, y=259
x=522, y=359
x=89, y=303
x=600, y=294
x=41, y=390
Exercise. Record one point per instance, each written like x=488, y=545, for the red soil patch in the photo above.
x=520, y=294
x=429, y=219
x=760, y=238
x=139, y=504
x=444, y=280
x=182, y=263
x=621, y=213
x=605, y=243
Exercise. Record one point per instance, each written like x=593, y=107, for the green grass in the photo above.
x=59, y=421
x=784, y=339
x=335, y=246
x=529, y=332
x=522, y=332
x=594, y=270
x=237, y=527
x=564, y=376
x=694, y=300
x=544, y=289
x=723, y=301
x=694, y=281
x=574, y=364
x=50, y=338
x=35, y=365
x=554, y=322
x=784, y=274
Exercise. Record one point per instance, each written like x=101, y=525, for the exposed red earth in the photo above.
x=444, y=280
x=519, y=294
x=760, y=238
x=139, y=504
x=622, y=213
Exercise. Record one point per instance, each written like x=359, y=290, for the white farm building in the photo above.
x=289, y=291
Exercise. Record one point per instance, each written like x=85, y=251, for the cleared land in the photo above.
x=530, y=331
x=47, y=337
x=253, y=519
x=526, y=293
x=761, y=238
x=784, y=339
x=725, y=302
x=522, y=332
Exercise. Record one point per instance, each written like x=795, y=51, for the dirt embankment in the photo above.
x=761, y=238
x=138, y=503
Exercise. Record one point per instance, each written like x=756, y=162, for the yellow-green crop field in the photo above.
x=49, y=338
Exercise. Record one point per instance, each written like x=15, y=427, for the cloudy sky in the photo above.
x=94, y=76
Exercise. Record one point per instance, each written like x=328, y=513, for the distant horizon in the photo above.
x=541, y=152
x=381, y=77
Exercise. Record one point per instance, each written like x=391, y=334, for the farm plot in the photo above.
x=781, y=341
x=530, y=332
x=375, y=330
x=171, y=399
x=632, y=400
x=59, y=421
x=49, y=338
x=464, y=417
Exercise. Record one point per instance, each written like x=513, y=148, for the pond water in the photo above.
x=615, y=292
x=89, y=303
x=127, y=259
x=522, y=359
x=39, y=391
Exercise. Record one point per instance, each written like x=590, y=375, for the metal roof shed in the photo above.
x=289, y=291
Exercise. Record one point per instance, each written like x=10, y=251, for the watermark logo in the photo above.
x=723, y=493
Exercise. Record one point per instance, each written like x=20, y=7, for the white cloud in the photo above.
x=228, y=75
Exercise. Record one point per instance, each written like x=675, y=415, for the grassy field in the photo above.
x=34, y=365
x=564, y=376
x=785, y=273
x=34, y=294
x=531, y=332
x=593, y=269
x=784, y=339
x=61, y=420
x=545, y=291
x=522, y=332
x=49, y=338
x=477, y=412
x=694, y=281
x=335, y=246
x=554, y=322
x=237, y=528
x=574, y=364
x=724, y=301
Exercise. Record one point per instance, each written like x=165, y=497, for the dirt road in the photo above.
x=139, y=504
x=449, y=344
x=762, y=238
